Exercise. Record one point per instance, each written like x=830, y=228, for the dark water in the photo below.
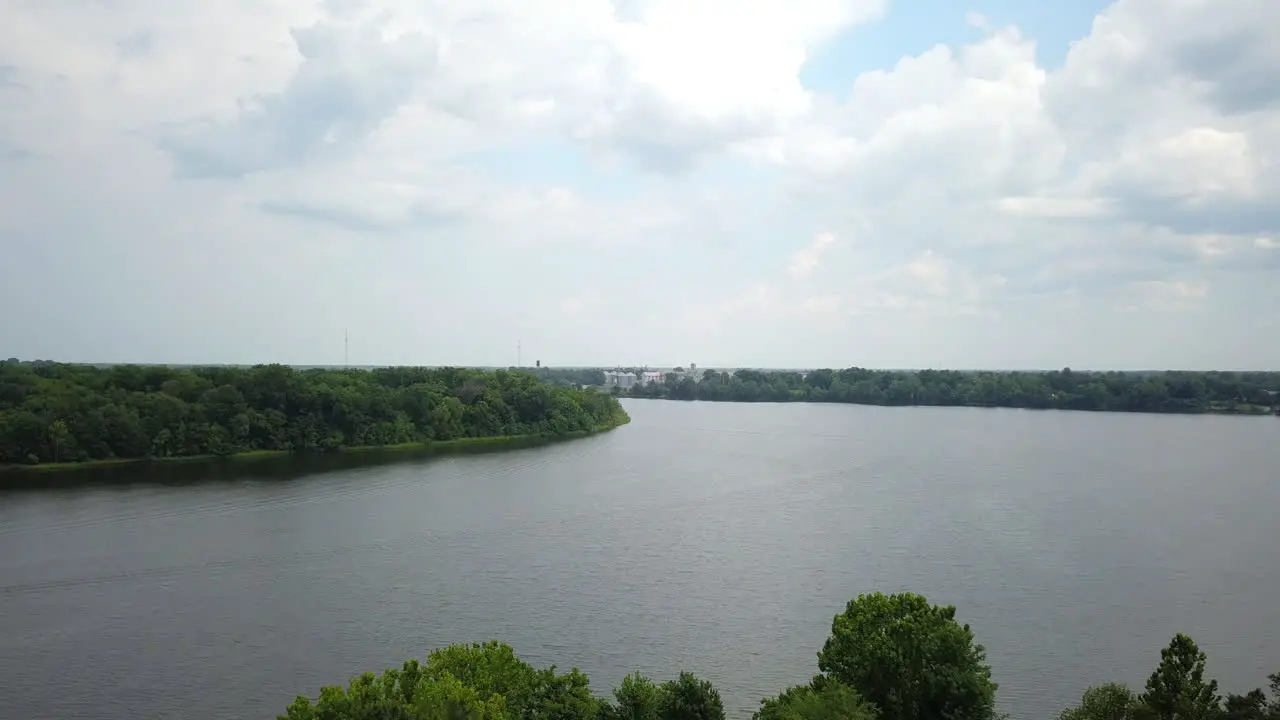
x=712, y=537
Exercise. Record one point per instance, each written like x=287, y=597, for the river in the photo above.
x=718, y=538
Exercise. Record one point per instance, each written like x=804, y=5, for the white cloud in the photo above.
x=805, y=261
x=1054, y=207
x=932, y=272
x=1169, y=295
x=823, y=304
x=474, y=171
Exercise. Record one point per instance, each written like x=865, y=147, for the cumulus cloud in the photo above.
x=382, y=163
x=349, y=81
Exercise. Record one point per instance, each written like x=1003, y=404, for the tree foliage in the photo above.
x=486, y=681
x=461, y=682
x=568, y=377
x=911, y=659
x=1254, y=704
x=55, y=412
x=1111, y=701
x=688, y=698
x=1178, y=690
x=636, y=698
x=889, y=657
x=1174, y=392
x=823, y=698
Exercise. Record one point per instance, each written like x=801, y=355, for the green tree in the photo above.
x=1111, y=701
x=491, y=668
x=60, y=437
x=65, y=412
x=563, y=697
x=404, y=694
x=480, y=681
x=1198, y=392
x=688, y=698
x=822, y=699
x=1177, y=690
x=909, y=658
x=636, y=698
x=487, y=681
x=1254, y=705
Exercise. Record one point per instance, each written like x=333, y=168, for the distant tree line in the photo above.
x=57, y=412
x=889, y=657
x=568, y=377
x=1169, y=392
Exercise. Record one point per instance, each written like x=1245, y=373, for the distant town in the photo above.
x=630, y=378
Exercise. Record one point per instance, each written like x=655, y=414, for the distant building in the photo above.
x=613, y=378
x=652, y=376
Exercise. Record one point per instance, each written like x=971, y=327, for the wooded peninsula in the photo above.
x=58, y=413
x=1245, y=393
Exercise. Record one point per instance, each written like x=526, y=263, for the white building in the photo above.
x=613, y=378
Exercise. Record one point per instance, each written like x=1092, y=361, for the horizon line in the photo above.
x=721, y=368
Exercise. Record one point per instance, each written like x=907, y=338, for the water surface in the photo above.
x=719, y=538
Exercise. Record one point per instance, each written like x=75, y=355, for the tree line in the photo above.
x=568, y=377
x=57, y=412
x=888, y=657
x=1168, y=392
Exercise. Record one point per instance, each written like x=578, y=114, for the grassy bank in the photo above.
x=491, y=443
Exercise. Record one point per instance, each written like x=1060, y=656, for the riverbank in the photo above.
x=1161, y=391
x=492, y=443
x=1243, y=409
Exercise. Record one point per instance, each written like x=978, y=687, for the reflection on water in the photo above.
x=249, y=467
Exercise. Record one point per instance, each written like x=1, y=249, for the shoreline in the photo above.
x=430, y=447
x=1256, y=411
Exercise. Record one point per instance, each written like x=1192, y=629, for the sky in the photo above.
x=755, y=183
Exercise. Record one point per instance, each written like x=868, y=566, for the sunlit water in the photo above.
x=719, y=538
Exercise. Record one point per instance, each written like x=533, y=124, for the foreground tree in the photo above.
x=1111, y=701
x=685, y=698
x=487, y=681
x=1254, y=705
x=482, y=681
x=637, y=698
x=1177, y=690
x=688, y=698
x=822, y=699
x=404, y=694
x=909, y=658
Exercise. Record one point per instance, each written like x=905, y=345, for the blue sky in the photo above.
x=912, y=28
x=758, y=183
x=906, y=29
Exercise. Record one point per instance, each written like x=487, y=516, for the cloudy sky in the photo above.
x=733, y=183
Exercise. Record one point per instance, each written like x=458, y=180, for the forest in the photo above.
x=888, y=657
x=66, y=413
x=1253, y=393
